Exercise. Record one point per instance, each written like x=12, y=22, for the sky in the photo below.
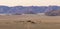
x=29, y=2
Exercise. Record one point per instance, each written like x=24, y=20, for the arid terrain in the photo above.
x=29, y=22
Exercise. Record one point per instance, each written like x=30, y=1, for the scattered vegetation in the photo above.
x=31, y=22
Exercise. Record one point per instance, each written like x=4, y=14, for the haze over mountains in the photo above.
x=27, y=9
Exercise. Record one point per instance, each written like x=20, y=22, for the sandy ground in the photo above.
x=37, y=22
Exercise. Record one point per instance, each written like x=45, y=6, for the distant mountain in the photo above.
x=27, y=9
x=4, y=9
x=52, y=8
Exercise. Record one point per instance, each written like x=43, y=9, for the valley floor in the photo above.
x=36, y=22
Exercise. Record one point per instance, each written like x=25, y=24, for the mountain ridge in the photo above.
x=27, y=9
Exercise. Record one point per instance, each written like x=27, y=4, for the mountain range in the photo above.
x=27, y=9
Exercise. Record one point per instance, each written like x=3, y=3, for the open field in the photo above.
x=21, y=22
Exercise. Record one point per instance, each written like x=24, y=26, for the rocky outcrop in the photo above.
x=53, y=13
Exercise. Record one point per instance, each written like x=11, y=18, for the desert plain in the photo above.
x=29, y=21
